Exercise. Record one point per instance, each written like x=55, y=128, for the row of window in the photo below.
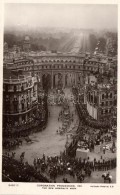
x=90, y=68
x=57, y=67
x=17, y=87
x=51, y=67
x=48, y=61
x=23, y=63
x=16, y=108
x=107, y=95
x=94, y=63
x=106, y=111
x=109, y=103
x=29, y=68
x=22, y=100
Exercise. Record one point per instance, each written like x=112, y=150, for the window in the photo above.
x=110, y=102
x=15, y=107
x=14, y=88
x=101, y=111
x=106, y=103
x=106, y=111
x=6, y=88
x=110, y=95
x=22, y=87
x=102, y=96
x=22, y=106
x=102, y=104
x=107, y=95
x=115, y=102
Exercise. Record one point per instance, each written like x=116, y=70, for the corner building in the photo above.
x=101, y=101
x=20, y=97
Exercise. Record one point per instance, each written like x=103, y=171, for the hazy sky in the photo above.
x=53, y=15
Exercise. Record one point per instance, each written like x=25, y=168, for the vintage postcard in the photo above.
x=59, y=92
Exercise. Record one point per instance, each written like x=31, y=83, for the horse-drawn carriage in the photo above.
x=28, y=140
x=107, y=177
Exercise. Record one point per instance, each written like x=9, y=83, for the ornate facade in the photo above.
x=72, y=68
x=101, y=101
x=20, y=98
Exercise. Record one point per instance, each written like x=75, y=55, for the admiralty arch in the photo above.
x=61, y=70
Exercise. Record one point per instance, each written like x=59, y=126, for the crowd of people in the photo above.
x=65, y=117
x=16, y=171
x=75, y=167
x=86, y=118
x=66, y=163
x=12, y=134
x=53, y=167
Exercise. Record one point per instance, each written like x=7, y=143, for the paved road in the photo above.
x=48, y=141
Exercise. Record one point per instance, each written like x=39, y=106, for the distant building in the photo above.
x=5, y=49
x=95, y=65
x=26, y=44
x=16, y=48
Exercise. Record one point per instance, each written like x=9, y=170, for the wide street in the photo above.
x=48, y=141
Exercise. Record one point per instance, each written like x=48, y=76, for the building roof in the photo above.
x=7, y=74
x=27, y=38
x=10, y=74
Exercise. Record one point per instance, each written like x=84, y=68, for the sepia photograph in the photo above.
x=59, y=96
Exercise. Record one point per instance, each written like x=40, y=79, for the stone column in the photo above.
x=63, y=80
x=20, y=119
x=52, y=77
x=93, y=97
x=75, y=78
x=41, y=80
x=26, y=118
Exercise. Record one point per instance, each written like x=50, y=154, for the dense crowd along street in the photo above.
x=44, y=163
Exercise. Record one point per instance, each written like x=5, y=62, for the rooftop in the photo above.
x=9, y=74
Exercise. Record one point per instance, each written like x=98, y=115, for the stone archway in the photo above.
x=66, y=80
x=46, y=81
x=69, y=79
x=58, y=80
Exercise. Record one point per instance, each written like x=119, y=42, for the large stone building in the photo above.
x=20, y=97
x=101, y=101
x=67, y=69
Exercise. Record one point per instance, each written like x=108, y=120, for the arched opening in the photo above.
x=57, y=81
x=46, y=81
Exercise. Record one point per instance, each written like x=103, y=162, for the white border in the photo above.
x=31, y=188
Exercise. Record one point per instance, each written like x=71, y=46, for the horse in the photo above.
x=22, y=156
x=80, y=177
x=65, y=180
x=107, y=177
x=20, y=142
x=27, y=139
x=13, y=154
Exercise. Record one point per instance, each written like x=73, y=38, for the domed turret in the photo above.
x=26, y=44
x=27, y=38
